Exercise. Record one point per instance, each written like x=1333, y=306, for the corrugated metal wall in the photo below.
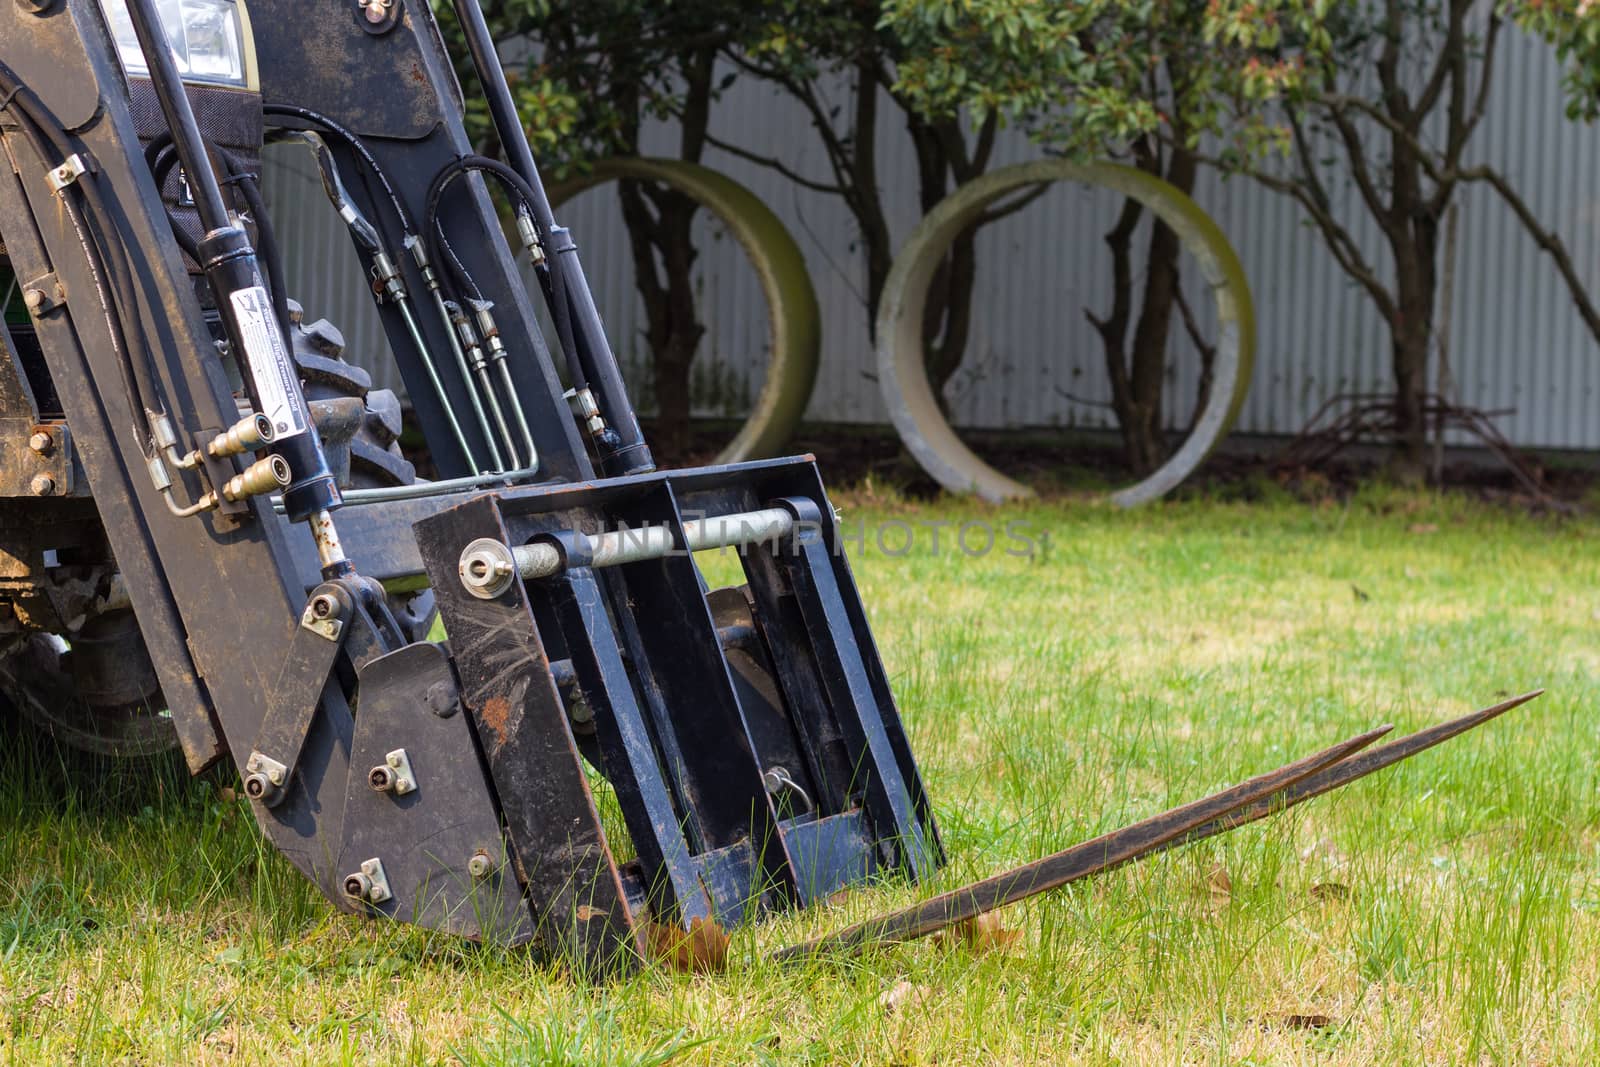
x=1034, y=360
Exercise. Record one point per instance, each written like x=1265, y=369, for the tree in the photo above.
x=1394, y=94
x=1137, y=81
x=1573, y=28
x=1384, y=94
x=808, y=47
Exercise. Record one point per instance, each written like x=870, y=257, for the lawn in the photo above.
x=1446, y=911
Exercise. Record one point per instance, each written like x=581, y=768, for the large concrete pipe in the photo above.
x=902, y=373
x=795, y=323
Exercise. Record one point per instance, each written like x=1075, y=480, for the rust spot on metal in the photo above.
x=496, y=718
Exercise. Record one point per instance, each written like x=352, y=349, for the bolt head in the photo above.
x=393, y=760
x=380, y=779
x=43, y=485
x=42, y=443
x=480, y=865
x=34, y=298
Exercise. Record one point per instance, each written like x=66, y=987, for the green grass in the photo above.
x=1137, y=661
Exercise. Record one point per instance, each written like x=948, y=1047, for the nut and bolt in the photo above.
x=43, y=485
x=35, y=299
x=480, y=865
x=357, y=886
x=324, y=605
x=42, y=443
x=381, y=779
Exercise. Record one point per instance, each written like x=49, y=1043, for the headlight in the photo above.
x=206, y=36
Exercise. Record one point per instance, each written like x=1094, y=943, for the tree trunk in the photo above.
x=660, y=224
x=1414, y=242
x=1138, y=369
x=945, y=162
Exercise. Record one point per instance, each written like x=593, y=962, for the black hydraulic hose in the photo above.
x=46, y=134
x=356, y=145
x=439, y=248
x=160, y=169
x=622, y=448
x=165, y=158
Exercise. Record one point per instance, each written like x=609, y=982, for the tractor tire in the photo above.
x=48, y=691
x=360, y=428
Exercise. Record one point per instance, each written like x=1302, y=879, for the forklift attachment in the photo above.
x=748, y=736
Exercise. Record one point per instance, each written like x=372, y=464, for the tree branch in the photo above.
x=774, y=165
x=1339, y=241
x=996, y=214
x=1545, y=239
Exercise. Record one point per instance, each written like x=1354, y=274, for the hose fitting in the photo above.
x=249, y=434
x=270, y=475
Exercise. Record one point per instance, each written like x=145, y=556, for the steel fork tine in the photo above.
x=1350, y=769
x=1070, y=865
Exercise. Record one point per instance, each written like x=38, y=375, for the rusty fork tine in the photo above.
x=1348, y=770
x=1092, y=857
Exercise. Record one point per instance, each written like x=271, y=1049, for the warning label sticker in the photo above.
x=269, y=363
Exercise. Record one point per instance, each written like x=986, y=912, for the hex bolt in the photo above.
x=43, y=485
x=42, y=443
x=35, y=299
x=480, y=865
x=381, y=779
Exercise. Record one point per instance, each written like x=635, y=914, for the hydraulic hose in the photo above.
x=621, y=444
x=391, y=284
x=48, y=138
x=357, y=147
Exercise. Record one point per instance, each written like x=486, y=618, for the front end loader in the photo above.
x=209, y=538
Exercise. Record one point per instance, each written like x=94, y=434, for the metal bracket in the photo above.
x=313, y=651
x=321, y=617
x=71, y=169
x=264, y=767
x=444, y=852
x=41, y=467
x=370, y=884
x=393, y=775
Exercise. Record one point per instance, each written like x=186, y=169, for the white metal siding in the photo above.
x=1516, y=340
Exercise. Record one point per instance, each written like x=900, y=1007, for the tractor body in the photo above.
x=209, y=539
